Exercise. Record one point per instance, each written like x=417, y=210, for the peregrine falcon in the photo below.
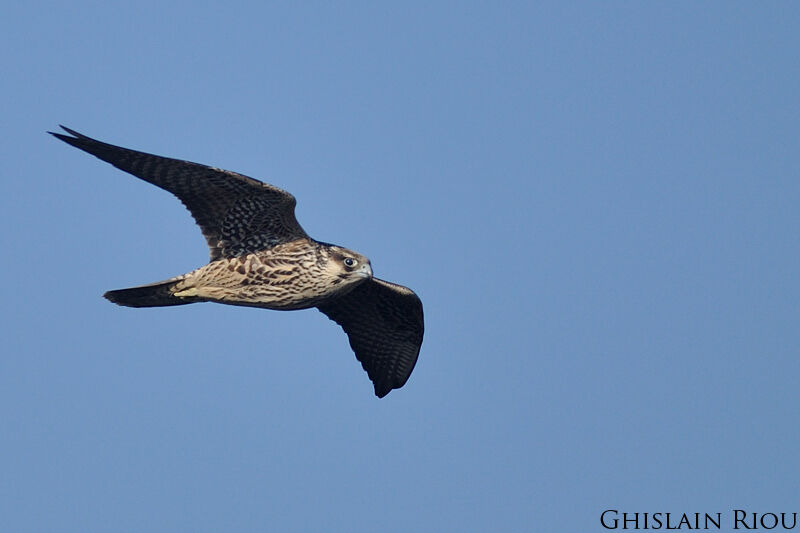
x=261, y=257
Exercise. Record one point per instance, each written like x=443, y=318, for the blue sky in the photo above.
x=596, y=202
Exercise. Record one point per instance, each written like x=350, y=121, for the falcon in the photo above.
x=262, y=257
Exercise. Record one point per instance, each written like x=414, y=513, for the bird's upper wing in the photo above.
x=237, y=214
x=385, y=325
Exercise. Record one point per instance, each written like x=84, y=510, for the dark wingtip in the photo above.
x=72, y=132
x=78, y=140
x=112, y=296
x=67, y=138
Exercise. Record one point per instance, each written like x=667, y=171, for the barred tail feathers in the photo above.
x=159, y=294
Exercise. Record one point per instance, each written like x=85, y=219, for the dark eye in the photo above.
x=350, y=262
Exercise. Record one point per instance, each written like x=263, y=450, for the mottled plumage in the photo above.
x=261, y=257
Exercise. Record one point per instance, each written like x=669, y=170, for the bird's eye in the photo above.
x=350, y=262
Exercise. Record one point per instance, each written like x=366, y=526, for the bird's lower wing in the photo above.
x=385, y=325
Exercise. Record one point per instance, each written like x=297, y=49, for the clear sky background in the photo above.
x=598, y=203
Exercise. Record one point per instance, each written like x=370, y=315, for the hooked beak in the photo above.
x=365, y=270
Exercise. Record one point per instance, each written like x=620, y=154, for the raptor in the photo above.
x=260, y=256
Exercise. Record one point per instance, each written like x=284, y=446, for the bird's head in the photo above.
x=347, y=266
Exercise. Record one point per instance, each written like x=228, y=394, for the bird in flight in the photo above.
x=261, y=257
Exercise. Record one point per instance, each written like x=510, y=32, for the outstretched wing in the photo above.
x=237, y=214
x=385, y=325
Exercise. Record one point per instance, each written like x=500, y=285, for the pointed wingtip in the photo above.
x=112, y=296
x=75, y=139
x=61, y=136
x=75, y=134
x=72, y=132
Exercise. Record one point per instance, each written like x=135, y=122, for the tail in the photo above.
x=158, y=294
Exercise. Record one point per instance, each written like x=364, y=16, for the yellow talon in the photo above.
x=186, y=293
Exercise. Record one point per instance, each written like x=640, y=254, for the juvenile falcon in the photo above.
x=261, y=257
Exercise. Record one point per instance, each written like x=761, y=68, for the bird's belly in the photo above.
x=256, y=295
x=248, y=283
